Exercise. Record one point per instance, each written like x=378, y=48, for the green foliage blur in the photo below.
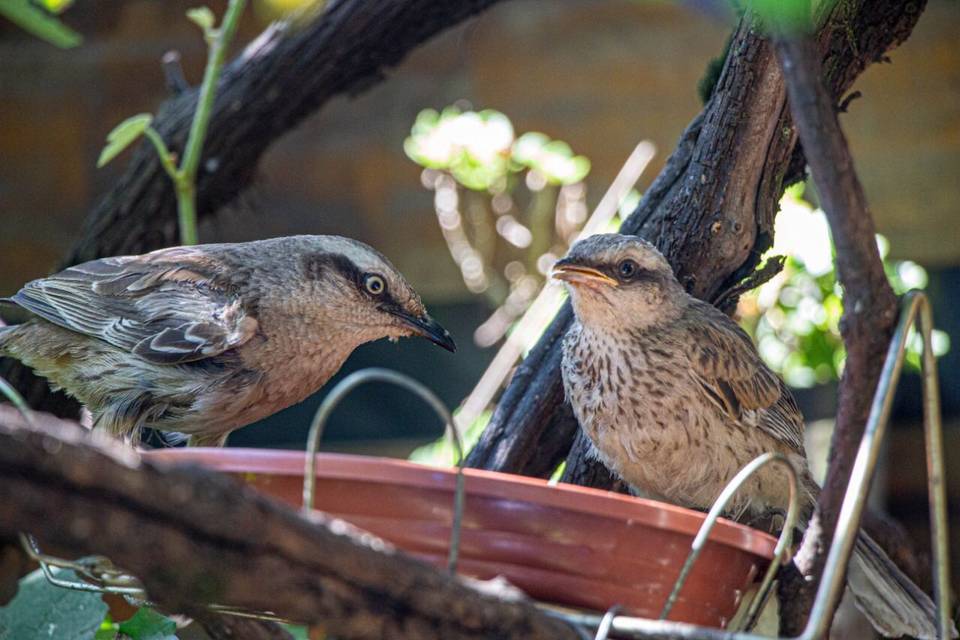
x=479, y=149
x=508, y=206
x=442, y=452
x=40, y=19
x=146, y=624
x=795, y=317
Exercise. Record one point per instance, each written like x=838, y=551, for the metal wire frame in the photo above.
x=376, y=374
x=915, y=310
x=16, y=400
x=781, y=551
x=101, y=574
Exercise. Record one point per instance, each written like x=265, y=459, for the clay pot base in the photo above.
x=563, y=544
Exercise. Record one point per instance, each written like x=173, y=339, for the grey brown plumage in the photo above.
x=676, y=400
x=205, y=339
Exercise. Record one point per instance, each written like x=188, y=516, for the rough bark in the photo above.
x=226, y=627
x=285, y=75
x=195, y=537
x=869, y=304
x=710, y=210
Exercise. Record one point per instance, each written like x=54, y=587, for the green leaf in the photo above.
x=298, y=632
x=784, y=15
x=108, y=629
x=123, y=135
x=42, y=611
x=202, y=17
x=147, y=624
x=56, y=6
x=35, y=20
x=529, y=147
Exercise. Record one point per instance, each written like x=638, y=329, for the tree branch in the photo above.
x=288, y=73
x=226, y=627
x=195, y=537
x=710, y=210
x=869, y=304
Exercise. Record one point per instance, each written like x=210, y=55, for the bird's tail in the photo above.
x=894, y=605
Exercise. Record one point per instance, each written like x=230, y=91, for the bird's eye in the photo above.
x=374, y=284
x=627, y=269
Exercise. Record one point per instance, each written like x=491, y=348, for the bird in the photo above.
x=202, y=340
x=675, y=400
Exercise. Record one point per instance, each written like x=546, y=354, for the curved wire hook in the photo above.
x=606, y=622
x=376, y=374
x=780, y=551
x=16, y=400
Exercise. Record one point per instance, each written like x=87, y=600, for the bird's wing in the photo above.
x=168, y=307
x=727, y=366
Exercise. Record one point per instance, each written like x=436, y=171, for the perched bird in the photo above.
x=676, y=400
x=205, y=339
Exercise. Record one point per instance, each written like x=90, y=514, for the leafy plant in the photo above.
x=145, y=624
x=184, y=176
x=795, y=317
x=507, y=205
x=41, y=610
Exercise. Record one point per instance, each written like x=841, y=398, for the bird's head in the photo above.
x=360, y=290
x=619, y=281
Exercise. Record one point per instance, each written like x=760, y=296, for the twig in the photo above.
x=173, y=73
x=870, y=306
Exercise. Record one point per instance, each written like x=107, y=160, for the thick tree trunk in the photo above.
x=195, y=537
x=710, y=211
x=288, y=73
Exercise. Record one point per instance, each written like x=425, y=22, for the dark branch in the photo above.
x=173, y=73
x=196, y=537
x=282, y=77
x=870, y=306
x=227, y=627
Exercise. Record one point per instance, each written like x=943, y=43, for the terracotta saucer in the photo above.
x=565, y=544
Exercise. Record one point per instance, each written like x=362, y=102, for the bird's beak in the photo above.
x=569, y=271
x=428, y=328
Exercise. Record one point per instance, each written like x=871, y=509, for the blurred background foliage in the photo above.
x=39, y=17
x=508, y=206
x=795, y=317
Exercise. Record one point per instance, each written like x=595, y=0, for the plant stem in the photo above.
x=187, y=207
x=187, y=175
x=166, y=158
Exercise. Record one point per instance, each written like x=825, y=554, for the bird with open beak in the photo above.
x=676, y=400
x=203, y=340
